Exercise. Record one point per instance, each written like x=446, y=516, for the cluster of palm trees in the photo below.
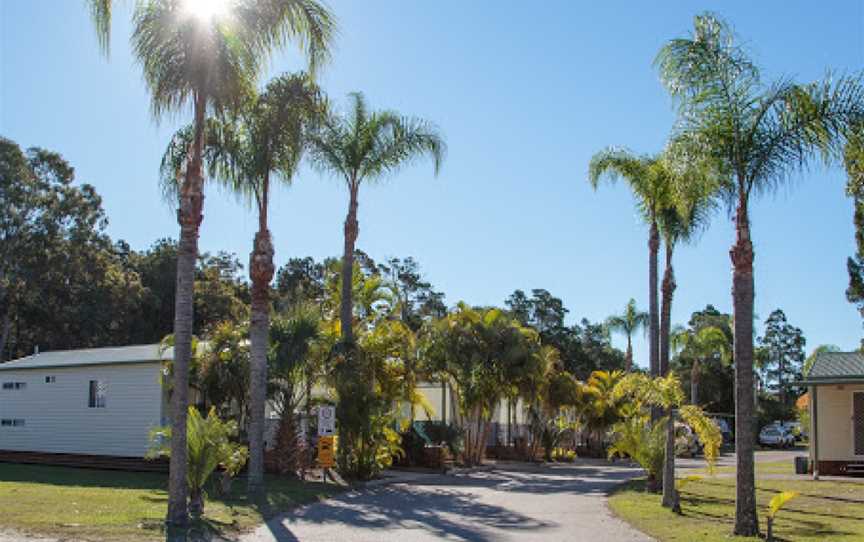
x=736, y=136
x=209, y=55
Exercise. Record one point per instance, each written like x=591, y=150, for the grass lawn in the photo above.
x=122, y=506
x=825, y=510
x=762, y=467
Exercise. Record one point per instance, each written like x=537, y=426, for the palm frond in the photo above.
x=100, y=14
x=362, y=145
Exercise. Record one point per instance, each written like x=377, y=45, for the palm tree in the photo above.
x=266, y=142
x=690, y=208
x=702, y=345
x=628, y=323
x=361, y=146
x=209, y=59
x=648, y=178
x=100, y=14
x=758, y=135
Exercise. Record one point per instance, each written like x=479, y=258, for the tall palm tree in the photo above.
x=628, y=323
x=759, y=134
x=267, y=142
x=687, y=214
x=364, y=146
x=648, y=178
x=210, y=60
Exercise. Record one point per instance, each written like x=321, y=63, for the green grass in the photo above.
x=120, y=506
x=762, y=467
x=825, y=510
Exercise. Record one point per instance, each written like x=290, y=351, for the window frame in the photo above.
x=96, y=397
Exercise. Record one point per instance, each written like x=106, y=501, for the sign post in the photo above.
x=326, y=439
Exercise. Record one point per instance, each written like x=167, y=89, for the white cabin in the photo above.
x=101, y=401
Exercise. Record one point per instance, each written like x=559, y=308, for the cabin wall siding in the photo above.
x=58, y=419
x=835, y=422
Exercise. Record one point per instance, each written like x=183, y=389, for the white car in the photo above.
x=775, y=436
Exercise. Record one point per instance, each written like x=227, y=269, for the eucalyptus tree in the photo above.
x=209, y=55
x=365, y=145
x=759, y=134
x=628, y=323
x=649, y=179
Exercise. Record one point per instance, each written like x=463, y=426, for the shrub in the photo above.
x=566, y=456
x=209, y=445
x=777, y=502
x=635, y=437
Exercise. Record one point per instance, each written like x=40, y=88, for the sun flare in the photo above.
x=205, y=9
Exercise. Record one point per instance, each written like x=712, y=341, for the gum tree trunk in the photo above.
x=261, y=271
x=5, y=327
x=189, y=216
x=741, y=254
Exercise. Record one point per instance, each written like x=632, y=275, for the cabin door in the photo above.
x=858, y=422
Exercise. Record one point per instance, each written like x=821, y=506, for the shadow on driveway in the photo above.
x=480, y=506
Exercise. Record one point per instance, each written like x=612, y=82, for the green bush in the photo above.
x=209, y=445
x=636, y=438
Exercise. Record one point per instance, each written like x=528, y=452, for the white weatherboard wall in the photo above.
x=57, y=417
x=835, y=422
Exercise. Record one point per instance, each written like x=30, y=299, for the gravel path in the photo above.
x=507, y=503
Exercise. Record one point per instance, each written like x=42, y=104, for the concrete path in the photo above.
x=508, y=503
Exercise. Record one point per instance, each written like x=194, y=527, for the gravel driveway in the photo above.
x=507, y=503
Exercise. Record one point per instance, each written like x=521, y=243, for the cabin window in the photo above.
x=14, y=385
x=9, y=422
x=50, y=379
x=98, y=393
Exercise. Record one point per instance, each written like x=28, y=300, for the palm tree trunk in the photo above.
x=665, y=327
x=189, y=216
x=669, y=462
x=628, y=360
x=653, y=312
x=694, y=383
x=261, y=270
x=746, y=521
x=346, y=310
x=653, y=316
x=668, y=291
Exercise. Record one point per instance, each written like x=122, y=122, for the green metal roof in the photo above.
x=836, y=367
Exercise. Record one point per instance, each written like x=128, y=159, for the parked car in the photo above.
x=775, y=436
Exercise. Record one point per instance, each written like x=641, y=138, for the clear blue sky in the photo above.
x=525, y=94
